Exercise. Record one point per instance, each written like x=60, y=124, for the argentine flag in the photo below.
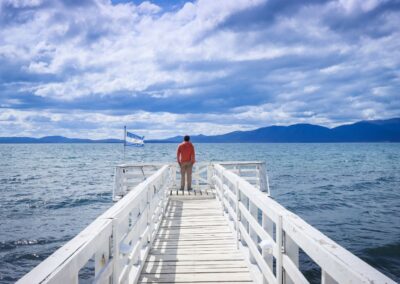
x=134, y=140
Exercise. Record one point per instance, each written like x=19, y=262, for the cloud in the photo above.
x=208, y=66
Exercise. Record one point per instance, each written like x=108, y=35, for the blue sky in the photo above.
x=86, y=68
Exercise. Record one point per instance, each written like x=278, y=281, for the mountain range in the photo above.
x=364, y=131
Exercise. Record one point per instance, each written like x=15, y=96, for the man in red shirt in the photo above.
x=186, y=158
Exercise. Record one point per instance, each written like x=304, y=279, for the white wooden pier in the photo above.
x=228, y=230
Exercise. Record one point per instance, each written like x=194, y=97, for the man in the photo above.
x=186, y=158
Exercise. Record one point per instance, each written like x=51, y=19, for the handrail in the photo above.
x=119, y=239
x=243, y=203
x=127, y=176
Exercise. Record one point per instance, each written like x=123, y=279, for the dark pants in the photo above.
x=186, y=171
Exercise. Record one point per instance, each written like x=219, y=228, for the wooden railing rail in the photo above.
x=127, y=176
x=271, y=237
x=118, y=241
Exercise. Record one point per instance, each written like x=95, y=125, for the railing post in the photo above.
x=198, y=169
x=101, y=257
x=268, y=226
x=326, y=278
x=148, y=214
x=263, y=178
x=225, y=209
x=292, y=251
x=115, y=239
x=253, y=235
x=279, y=236
x=235, y=169
x=210, y=183
x=237, y=227
x=209, y=180
x=118, y=179
x=173, y=168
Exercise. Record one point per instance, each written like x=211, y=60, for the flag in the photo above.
x=133, y=139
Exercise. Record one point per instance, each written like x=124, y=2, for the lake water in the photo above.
x=350, y=192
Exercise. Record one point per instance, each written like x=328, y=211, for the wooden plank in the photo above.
x=189, y=230
x=204, y=214
x=197, y=257
x=196, y=278
x=188, y=225
x=188, y=251
x=205, y=241
x=197, y=241
x=216, y=263
x=179, y=233
x=194, y=239
x=193, y=221
x=161, y=269
x=194, y=245
x=184, y=244
x=176, y=250
x=204, y=229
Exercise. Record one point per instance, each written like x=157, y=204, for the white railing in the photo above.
x=128, y=176
x=254, y=172
x=117, y=242
x=270, y=237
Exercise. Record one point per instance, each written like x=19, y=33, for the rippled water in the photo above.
x=351, y=192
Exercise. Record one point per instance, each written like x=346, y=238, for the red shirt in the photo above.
x=185, y=152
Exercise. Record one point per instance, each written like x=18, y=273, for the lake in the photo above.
x=350, y=192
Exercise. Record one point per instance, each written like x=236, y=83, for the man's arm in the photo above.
x=178, y=155
x=193, y=158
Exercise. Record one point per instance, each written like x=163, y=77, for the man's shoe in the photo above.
x=182, y=189
x=190, y=189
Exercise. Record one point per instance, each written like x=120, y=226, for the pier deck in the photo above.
x=194, y=244
x=233, y=232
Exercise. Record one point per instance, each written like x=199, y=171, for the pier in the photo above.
x=227, y=230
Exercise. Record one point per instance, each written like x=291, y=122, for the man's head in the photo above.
x=186, y=138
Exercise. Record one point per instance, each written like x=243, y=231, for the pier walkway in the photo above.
x=228, y=230
x=194, y=244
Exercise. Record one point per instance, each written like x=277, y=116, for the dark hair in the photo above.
x=186, y=138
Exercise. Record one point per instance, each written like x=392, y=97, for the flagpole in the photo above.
x=124, y=140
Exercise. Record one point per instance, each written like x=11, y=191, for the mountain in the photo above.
x=363, y=131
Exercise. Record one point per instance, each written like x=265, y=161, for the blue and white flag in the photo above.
x=133, y=139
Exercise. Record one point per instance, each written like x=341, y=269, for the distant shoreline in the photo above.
x=103, y=143
x=371, y=131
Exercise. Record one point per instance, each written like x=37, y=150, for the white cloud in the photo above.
x=23, y=3
x=352, y=6
x=311, y=89
x=280, y=69
x=147, y=7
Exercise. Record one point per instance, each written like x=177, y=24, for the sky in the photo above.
x=86, y=68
